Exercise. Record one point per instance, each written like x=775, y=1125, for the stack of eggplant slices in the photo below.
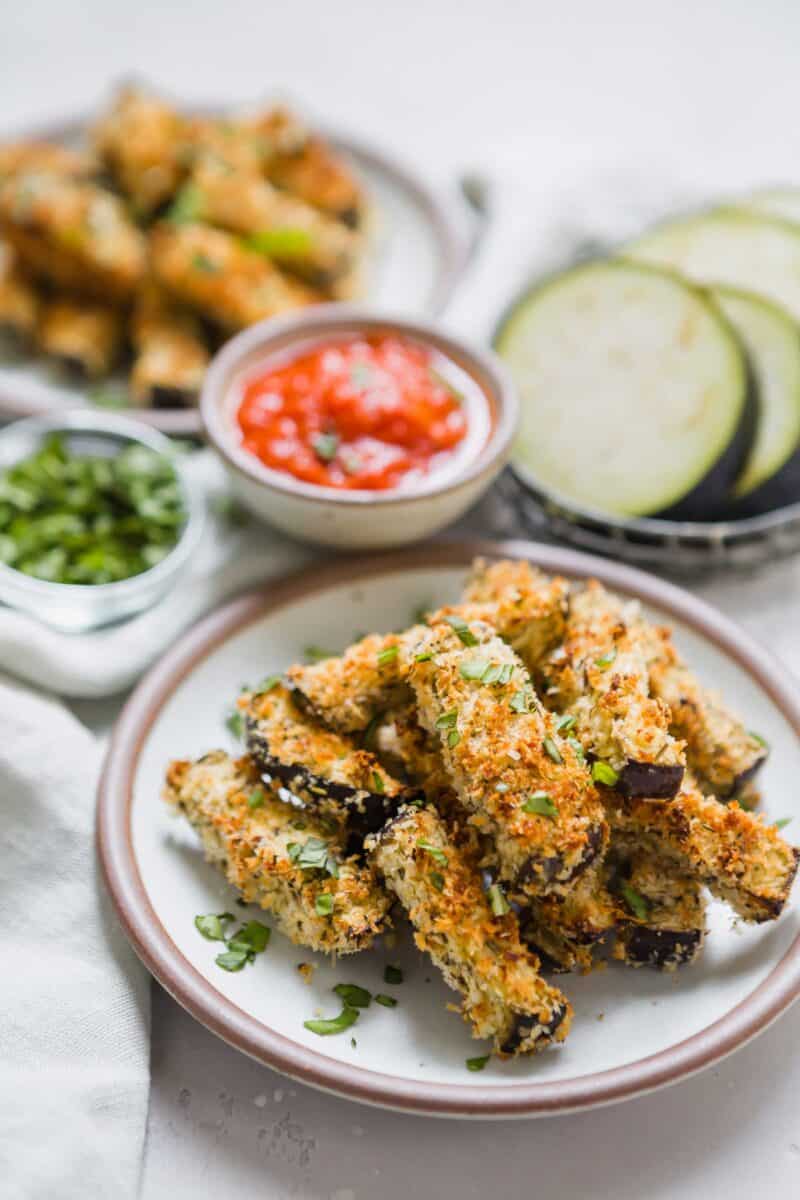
x=665, y=382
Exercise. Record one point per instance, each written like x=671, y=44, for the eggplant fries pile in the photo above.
x=167, y=234
x=530, y=774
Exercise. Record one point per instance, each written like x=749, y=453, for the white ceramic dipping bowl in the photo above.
x=357, y=519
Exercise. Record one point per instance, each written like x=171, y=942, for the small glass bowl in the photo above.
x=78, y=607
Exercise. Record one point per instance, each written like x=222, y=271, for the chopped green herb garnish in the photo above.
x=233, y=960
x=313, y=654
x=453, y=738
x=605, y=774
x=313, y=855
x=212, y=925
x=782, y=822
x=253, y=937
x=485, y=672
x=372, y=728
x=762, y=741
x=435, y=851
x=201, y=262
x=540, y=804
x=234, y=722
x=424, y=656
x=377, y=782
x=521, y=701
x=188, y=206
x=386, y=1001
x=323, y=905
x=352, y=995
x=551, y=750
x=565, y=723
x=326, y=1027
x=437, y=879
x=87, y=519
x=282, y=243
x=448, y=719
x=577, y=747
x=325, y=446
x=266, y=685
x=462, y=629
x=636, y=902
x=607, y=659
x=497, y=900
x=389, y=654
x=473, y=668
x=392, y=974
x=477, y=1064
x=256, y=798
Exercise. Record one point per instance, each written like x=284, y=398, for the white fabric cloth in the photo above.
x=74, y=1000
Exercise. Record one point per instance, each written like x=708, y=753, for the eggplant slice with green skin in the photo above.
x=325, y=770
x=635, y=391
x=770, y=477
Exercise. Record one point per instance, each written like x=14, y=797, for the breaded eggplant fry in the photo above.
x=210, y=271
x=19, y=300
x=347, y=692
x=140, y=141
x=85, y=339
x=599, y=676
x=252, y=835
x=323, y=769
x=315, y=174
x=526, y=608
x=233, y=142
x=479, y=954
x=565, y=929
x=661, y=912
x=45, y=156
x=171, y=355
x=292, y=233
x=73, y=234
x=524, y=785
x=740, y=858
x=530, y=607
x=400, y=740
x=721, y=752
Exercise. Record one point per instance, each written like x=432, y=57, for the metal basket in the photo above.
x=679, y=547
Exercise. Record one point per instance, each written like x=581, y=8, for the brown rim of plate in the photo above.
x=452, y=255
x=314, y=325
x=199, y=997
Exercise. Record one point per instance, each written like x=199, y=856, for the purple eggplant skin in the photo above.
x=363, y=812
x=709, y=499
x=523, y=1025
x=661, y=948
x=164, y=397
x=548, y=870
x=650, y=781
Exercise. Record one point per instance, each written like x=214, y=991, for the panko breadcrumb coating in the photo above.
x=524, y=785
x=599, y=676
x=249, y=833
x=479, y=954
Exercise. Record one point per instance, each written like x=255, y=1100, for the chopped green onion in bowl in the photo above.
x=89, y=519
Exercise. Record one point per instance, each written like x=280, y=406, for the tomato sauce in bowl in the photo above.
x=369, y=412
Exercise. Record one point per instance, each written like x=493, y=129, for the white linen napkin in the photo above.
x=74, y=1000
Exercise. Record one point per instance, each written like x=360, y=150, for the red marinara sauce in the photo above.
x=366, y=412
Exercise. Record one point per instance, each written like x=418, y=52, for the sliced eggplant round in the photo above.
x=635, y=391
x=770, y=477
x=780, y=202
x=731, y=248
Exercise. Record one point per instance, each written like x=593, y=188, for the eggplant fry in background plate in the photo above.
x=527, y=774
x=184, y=228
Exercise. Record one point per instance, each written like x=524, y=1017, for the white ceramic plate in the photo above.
x=419, y=250
x=633, y=1030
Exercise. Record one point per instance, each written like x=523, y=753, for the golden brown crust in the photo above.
x=140, y=141
x=86, y=338
x=500, y=748
x=252, y=846
x=479, y=954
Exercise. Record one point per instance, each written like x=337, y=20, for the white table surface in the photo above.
x=450, y=84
